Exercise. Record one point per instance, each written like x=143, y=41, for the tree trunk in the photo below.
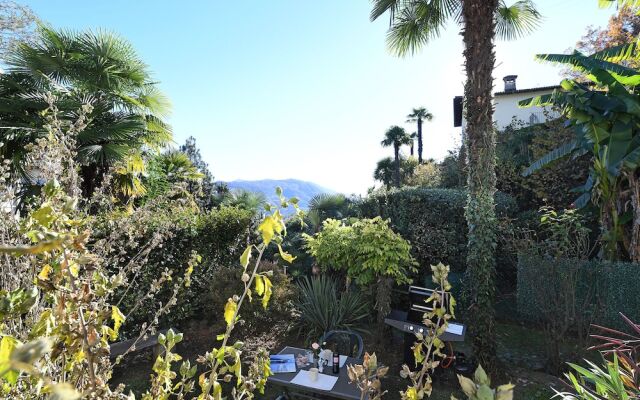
x=396, y=150
x=419, y=141
x=383, y=304
x=479, y=56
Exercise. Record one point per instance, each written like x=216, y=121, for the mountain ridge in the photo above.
x=303, y=190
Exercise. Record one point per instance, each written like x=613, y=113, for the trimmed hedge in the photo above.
x=219, y=236
x=433, y=221
x=604, y=289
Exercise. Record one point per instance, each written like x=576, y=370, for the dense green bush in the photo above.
x=218, y=236
x=604, y=289
x=433, y=221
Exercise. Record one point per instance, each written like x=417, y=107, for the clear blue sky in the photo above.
x=305, y=89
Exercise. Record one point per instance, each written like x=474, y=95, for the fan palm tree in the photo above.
x=413, y=23
x=96, y=68
x=246, y=200
x=396, y=137
x=419, y=115
x=326, y=205
x=385, y=170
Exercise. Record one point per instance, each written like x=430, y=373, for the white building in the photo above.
x=506, y=107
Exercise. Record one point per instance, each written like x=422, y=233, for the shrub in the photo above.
x=322, y=308
x=426, y=175
x=225, y=281
x=218, y=236
x=368, y=251
x=433, y=221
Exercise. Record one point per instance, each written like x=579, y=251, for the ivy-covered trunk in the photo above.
x=419, y=140
x=479, y=56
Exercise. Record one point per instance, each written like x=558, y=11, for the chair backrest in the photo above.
x=347, y=343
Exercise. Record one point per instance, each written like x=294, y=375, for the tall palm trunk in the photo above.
x=396, y=151
x=479, y=56
x=419, y=140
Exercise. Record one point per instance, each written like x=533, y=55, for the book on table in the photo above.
x=281, y=363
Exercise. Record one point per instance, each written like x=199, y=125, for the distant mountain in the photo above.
x=303, y=190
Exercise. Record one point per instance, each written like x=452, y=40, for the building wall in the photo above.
x=506, y=108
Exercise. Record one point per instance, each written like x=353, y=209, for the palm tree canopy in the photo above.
x=414, y=23
x=96, y=68
x=419, y=114
x=396, y=137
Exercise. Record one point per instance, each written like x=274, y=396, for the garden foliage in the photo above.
x=432, y=220
x=368, y=252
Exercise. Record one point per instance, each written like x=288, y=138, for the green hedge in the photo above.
x=603, y=289
x=218, y=236
x=433, y=221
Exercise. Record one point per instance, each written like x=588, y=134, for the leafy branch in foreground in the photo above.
x=224, y=362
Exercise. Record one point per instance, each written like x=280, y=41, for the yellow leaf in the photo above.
x=285, y=256
x=118, y=318
x=267, y=291
x=74, y=269
x=7, y=345
x=259, y=285
x=412, y=393
x=245, y=257
x=230, y=311
x=46, y=271
x=269, y=227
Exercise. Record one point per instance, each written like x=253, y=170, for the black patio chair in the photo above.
x=348, y=343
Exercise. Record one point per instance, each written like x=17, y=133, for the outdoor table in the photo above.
x=343, y=389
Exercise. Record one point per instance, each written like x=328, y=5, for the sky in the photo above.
x=306, y=89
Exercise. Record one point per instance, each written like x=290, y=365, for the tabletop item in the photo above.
x=336, y=363
x=323, y=382
x=302, y=360
x=313, y=374
x=343, y=389
x=311, y=357
x=282, y=363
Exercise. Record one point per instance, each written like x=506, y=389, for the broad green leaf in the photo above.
x=559, y=152
x=230, y=311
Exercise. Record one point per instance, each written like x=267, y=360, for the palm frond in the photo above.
x=517, y=20
x=382, y=6
x=418, y=22
x=555, y=154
